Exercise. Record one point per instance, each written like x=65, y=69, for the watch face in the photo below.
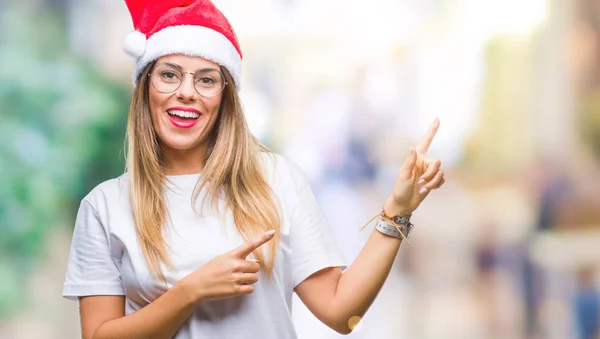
x=400, y=220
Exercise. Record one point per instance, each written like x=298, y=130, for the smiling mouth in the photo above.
x=183, y=114
x=183, y=119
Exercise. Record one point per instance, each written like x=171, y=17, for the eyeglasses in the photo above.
x=167, y=78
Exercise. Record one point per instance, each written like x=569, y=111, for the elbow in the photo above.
x=343, y=330
x=342, y=318
x=345, y=325
x=338, y=325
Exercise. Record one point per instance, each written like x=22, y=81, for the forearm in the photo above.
x=159, y=319
x=362, y=281
x=335, y=297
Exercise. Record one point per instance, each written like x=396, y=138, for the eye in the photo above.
x=169, y=76
x=206, y=81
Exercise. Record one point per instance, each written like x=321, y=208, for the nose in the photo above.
x=186, y=90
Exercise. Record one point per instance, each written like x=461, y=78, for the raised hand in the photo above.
x=227, y=275
x=418, y=176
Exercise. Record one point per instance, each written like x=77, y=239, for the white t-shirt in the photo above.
x=106, y=259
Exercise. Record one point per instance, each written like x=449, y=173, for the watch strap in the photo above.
x=388, y=228
x=397, y=219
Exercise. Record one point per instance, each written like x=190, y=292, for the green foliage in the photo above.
x=62, y=127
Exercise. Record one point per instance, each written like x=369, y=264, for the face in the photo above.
x=183, y=118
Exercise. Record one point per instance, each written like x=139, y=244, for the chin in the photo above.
x=181, y=145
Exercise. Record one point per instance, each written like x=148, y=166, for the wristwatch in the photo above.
x=398, y=219
x=392, y=226
x=387, y=228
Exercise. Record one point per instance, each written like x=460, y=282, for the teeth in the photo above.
x=184, y=114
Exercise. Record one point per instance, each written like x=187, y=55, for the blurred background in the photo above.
x=509, y=248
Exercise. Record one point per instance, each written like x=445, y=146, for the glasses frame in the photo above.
x=225, y=83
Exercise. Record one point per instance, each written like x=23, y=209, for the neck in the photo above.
x=180, y=162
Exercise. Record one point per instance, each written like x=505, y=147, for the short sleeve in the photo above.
x=313, y=244
x=91, y=270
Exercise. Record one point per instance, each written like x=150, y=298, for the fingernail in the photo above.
x=270, y=233
x=255, y=260
x=423, y=190
x=421, y=181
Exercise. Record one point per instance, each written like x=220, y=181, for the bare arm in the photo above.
x=104, y=316
x=334, y=297
x=225, y=276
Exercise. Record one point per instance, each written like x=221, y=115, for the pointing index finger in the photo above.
x=425, y=142
x=249, y=246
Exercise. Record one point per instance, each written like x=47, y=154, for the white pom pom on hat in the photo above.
x=134, y=44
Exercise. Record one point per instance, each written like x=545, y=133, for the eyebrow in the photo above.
x=181, y=68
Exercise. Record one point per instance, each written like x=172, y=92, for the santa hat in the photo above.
x=190, y=27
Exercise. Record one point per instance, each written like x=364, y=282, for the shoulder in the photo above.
x=286, y=179
x=108, y=192
x=281, y=170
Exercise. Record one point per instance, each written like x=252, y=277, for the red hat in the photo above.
x=190, y=27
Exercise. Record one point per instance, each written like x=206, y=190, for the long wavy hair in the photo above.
x=232, y=170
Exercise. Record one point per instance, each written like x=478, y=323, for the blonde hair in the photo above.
x=232, y=170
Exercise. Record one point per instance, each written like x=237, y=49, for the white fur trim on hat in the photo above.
x=134, y=44
x=194, y=41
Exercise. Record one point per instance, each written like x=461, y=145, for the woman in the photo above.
x=208, y=234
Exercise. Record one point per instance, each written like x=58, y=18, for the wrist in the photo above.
x=391, y=208
x=191, y=291
x=392, y=229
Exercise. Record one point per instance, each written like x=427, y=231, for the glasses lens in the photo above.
x=165, y=78
x=209, y=82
